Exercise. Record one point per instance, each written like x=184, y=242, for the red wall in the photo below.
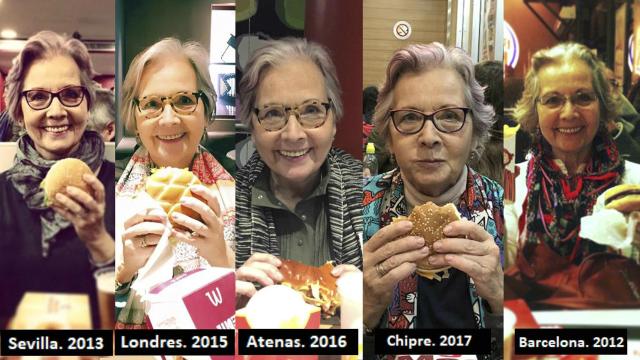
x=2, y=105
x=337, y=24
x=531, y=33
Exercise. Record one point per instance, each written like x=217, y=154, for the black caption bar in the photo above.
x=175, y=342
x=433, y=341
x=56, y=342
x=571, y=341
x=298, y=342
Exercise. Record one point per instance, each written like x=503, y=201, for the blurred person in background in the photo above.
x=490, y=164
x=49, y=93
x=103, y=114
x=298, y=197
x=168, y=100
x=625, y=129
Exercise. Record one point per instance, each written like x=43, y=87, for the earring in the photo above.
x=205, y=136
x=138, y=141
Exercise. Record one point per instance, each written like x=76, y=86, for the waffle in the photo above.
x=168, y=185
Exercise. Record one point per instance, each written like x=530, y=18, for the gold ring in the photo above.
x=193, y=235
x=143, y=241
x=380, y=269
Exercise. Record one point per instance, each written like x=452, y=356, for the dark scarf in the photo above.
x=29, y=169
x=556, y=201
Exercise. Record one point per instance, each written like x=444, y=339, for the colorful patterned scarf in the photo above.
x=384, y=200
x=557, y=201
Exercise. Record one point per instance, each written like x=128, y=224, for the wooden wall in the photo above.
x=428, y=19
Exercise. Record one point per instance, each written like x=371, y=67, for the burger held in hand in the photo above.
x=65, y=172
x=167, y=186
x=429, y=221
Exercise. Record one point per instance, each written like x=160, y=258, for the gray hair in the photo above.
x=277, y=52
x=170, y=47
x=43, y=45
x=417, y=58
x=526, y=113
x=103, y=111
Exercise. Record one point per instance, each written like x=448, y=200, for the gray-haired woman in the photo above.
x=432, y=115
x=298, y=197
x=168, y=100
x=53, y=249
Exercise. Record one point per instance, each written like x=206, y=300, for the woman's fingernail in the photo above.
x=446, y=229
x=437, y=245
x=431, y=259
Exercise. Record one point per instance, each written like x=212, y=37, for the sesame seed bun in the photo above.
x=429, y=220
x=65, y=172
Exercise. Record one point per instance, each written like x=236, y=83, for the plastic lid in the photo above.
x=371, y=148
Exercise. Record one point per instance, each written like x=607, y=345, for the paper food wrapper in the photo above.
x=612, y=228
x=278, y=307
x=198, y=299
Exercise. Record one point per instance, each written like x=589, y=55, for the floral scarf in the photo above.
x=557, y=201
x=30, y=169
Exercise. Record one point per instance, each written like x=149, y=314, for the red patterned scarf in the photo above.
x=557, y=201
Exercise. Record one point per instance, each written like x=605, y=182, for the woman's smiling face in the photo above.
x=293, y=153
x=569, y=127
x=172, y=139
x=56, y=130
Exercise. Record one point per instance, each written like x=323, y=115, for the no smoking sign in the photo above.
x=402, y=30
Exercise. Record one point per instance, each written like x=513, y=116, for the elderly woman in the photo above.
x=566, y=105
x=298, y=197
x=167, y=101
x=432, y=116
x=53, y=249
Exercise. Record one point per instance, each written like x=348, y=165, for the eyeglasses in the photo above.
x=448, y=120
x=39, y=99
x=555, y=101
x=310, y=114
x=183, y=103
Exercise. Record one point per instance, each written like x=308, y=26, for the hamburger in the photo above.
x=316, y=284
x=429, y=221
x=65, y=172
x=168, y=185
x=624, y=198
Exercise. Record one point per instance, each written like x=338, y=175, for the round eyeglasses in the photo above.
x=183, y=103
x=40, y=99
x=310, y=114
x=555, y=101
x=447, y=120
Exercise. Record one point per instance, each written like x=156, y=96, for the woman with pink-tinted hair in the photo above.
x=433, y=119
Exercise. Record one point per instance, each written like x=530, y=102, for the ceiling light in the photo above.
x=8, y=33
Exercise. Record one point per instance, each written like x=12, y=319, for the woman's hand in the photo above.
x=472, y=250
x=388, y=258
x=86, y=214
x=142, y=232
x=262, y=269
x=341, y=269
x=206, y=235
x=244, y=291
